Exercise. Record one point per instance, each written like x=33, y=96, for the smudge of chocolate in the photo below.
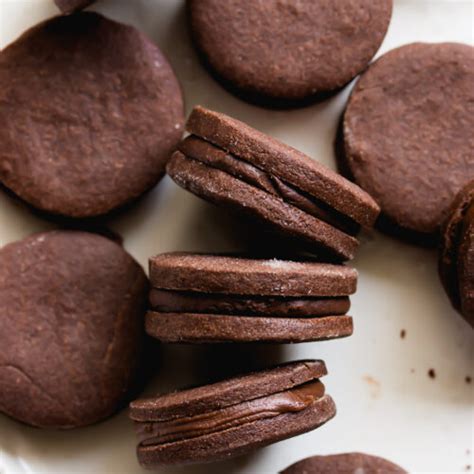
x=432, y=373
x=403, y=333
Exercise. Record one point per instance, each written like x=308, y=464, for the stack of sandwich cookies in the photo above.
x=232, y=417
x=199, y=298
x=229, y=163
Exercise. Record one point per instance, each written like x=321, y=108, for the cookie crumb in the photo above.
x=403, y=333
x=412, y=371
x=432, y=373
x=468, y=379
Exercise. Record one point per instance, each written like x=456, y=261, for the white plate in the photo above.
x=387, y=404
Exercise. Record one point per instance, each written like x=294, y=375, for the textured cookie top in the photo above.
x=347, y=463
x=226, y=393
x=284, y=162
x=408, y=132
x=71, y=328
x=90, y=112
x=284, y=49
x=243, y=276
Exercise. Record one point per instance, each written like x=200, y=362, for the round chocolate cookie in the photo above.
x=282, y=53
x=232, y=417
x=407, y=135
x=456, y=257
x=70, y=6
x=71, y=328
x=348, y=463
x=90, y=112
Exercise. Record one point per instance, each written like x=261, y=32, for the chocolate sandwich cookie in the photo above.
x=71, y=6
x=229, y=163
x=213, y=298
x=456, y=256
x=285, y=53
x=71, y=328
x=407, y=135
x=349, y=463
x=232, y=417
x=90, y=111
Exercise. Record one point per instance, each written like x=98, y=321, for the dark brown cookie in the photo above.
x=70, y=6
x=285, y=53
x=214, y=298
x=91, y=111
x=232, y=417
x=348, y=463
x=71, y=328
x=407, y=134
x=184, y=271
x=207, y=328
x=231, y=164
x=456, y=255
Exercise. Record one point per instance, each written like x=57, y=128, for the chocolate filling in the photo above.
x=198, y=149
x=170, y=301
x=289, y=401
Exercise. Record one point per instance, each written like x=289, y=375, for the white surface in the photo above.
x=387, y=404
